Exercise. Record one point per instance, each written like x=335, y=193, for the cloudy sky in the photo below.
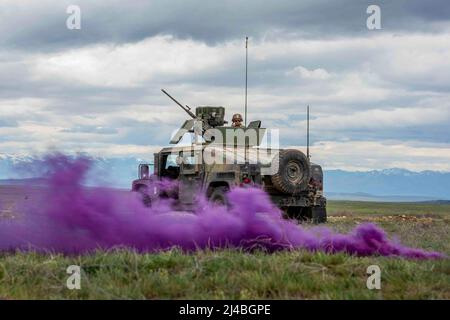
x=379, y=98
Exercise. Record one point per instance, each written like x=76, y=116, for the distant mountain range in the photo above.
x=396, y=184
x=376, y=185
x=115, y=172
x=361, y=196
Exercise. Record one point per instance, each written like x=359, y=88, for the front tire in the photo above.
x=145, y=197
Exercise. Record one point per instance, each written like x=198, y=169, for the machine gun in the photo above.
x=210, y=117
x=187, y=108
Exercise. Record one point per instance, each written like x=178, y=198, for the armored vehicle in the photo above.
x=224, y=157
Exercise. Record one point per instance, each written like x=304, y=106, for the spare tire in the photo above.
x=293, y=172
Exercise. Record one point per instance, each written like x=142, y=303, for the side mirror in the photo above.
x=144, y=171
x=254, y=124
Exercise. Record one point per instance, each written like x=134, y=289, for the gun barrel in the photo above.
x=181, y=106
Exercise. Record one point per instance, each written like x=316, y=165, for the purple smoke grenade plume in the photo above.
x=70, y=218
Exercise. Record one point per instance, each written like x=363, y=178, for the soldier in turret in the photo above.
x=237, y=121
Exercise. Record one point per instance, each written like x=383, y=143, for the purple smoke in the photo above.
x=70, y=218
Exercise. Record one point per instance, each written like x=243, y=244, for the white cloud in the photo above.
x=95, y=149
x=315, y=74
x=131, y=64
x=368, y=155
x=382, y=119
x=379, y=83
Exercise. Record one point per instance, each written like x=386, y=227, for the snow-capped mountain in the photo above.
x=115, y=172
x=394, y=183
x=390, y=182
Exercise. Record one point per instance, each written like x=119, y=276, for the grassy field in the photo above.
x=387, y=208
x=239, y=275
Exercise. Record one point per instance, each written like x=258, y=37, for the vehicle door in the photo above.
x=190, y=176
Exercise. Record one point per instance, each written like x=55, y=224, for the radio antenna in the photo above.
x=246, y=79
x=307, y=133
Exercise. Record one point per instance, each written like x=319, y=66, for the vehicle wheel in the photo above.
x=293, y=172
x=218, y=196
x=319, y=214
x=145, y=197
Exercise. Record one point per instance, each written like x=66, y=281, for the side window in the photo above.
x=171, y=161
x=170, y=168
x=189, y=162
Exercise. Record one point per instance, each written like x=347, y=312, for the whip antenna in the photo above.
x=246, y=79
x=307, y=133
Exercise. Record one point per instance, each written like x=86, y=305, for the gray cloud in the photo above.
x=98, y=89
x=7, y=122
x=90, y=129
x=41, y=25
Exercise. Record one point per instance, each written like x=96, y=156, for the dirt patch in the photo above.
x=390, y=218
x=13, y=196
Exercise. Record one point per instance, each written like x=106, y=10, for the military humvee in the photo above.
x=223, y=157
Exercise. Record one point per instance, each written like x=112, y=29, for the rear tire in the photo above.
x=219, y=196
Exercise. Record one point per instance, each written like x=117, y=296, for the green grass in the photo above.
x=233, y=274
x=387, y=208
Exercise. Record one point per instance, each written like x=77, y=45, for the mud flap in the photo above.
x=319, y=214
x=314, y=214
